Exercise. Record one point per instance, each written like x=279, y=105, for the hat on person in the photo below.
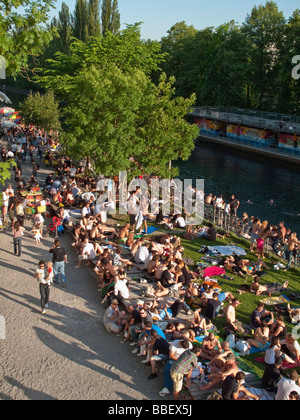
x=114, y=302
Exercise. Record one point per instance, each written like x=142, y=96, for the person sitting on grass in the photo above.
x=259, y=289
x=229, y=368
x=261, y=337
x=211, y=347
x=234, y=390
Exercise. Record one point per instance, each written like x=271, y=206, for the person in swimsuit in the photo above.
x=211, y=347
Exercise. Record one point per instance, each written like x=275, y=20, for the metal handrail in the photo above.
x=281, y=151
x=259, y=119
x=230, y=223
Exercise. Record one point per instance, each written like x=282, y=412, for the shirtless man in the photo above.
x=124, y=233
x=217, y=363
x=229, y=368
x=254, y=232
x=160, y=269
x=211, y=347
x=153, y=264
x=291, y=247
x=281, y=236
x=231, y=321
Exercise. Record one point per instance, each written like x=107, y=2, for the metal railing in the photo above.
x=264, y=120
x=268, y=147
x=231, y=224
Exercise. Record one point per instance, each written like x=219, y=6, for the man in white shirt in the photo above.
x=176, y=349
x=113, y=318
x=180, y=222
x=87, y=253
x=5, y=199
x=286, y=386
x=86, y=210
x=121, y=290
x=142, y=254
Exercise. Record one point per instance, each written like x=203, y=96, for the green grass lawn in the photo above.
x=249, y=300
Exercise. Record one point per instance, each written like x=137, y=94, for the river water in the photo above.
x=248, y=177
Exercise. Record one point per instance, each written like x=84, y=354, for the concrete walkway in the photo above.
x=67, y=353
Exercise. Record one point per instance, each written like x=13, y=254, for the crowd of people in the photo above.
x=173, y=321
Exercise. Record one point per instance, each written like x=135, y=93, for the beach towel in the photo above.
x=265, y=396
x=274, y=300
x=284, y=365
x=255, y=350
x=226, y=250
x=150, y=230
x=213, y=271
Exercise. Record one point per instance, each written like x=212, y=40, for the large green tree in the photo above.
x=22, y=31
x=64, y=28
x=80, y=21
x=41, y=111
x=264, y=29
x=110, y=17
x=114, y=114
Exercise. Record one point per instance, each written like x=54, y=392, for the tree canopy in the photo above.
x=22, y=31
x=41, y=111
x=245, y=65
x=114, y=114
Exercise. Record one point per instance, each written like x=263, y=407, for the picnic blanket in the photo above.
x=284, y=365
x=226, y=250
x=254, y=350
x=150, y=229
x=274, y=300
x=265, y=396
x=213, y=271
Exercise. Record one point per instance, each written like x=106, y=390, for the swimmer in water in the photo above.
x=249, y=201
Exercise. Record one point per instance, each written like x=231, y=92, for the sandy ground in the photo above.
x=66, y=354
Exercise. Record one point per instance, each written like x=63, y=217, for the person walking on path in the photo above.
x=18, y=232
x=44, y=274
x=59, y=258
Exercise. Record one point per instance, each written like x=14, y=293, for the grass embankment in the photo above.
x=249, y=300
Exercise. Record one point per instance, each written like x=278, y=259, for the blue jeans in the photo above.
x=168, y=382
x=59, y=268
x=17, y=246
x=289, y=255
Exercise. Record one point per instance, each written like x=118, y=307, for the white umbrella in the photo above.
x=4, y=98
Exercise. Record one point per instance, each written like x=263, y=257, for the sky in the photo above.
x=158, y=16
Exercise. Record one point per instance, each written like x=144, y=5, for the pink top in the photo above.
x=18, y=233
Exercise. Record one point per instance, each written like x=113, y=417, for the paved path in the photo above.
x=65, y=354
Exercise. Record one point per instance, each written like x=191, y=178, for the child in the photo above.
x=37, y=233
x=49, y=274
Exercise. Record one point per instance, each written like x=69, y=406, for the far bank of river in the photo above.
x=248, y=177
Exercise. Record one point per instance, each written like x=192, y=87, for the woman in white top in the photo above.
x=5, y=198
x=274, y=351
x=44, y=275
